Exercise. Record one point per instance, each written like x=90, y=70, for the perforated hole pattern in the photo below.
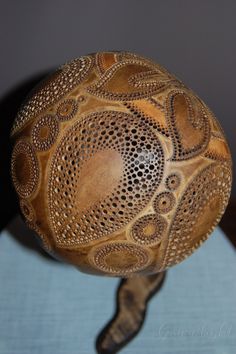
x=143, y=159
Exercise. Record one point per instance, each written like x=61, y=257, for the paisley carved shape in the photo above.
x=107, y=166
x=188, y=124
x=131, y=79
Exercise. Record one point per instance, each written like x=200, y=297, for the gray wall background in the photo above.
x=196, y=40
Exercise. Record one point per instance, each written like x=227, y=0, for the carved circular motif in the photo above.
x=173, y=182
x=24, y=169
x=67, y=109
x=164, y=202
x=149, y=229
x=44, y=132
x=27, y=210
x=120, y=258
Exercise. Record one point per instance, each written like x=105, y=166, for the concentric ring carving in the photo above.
x=164, y=202
x=173, y=181
x=44, y=132
x=120, y=258
x=27, y=210
x=24, y=169
x=67, y=109
x=149, y=229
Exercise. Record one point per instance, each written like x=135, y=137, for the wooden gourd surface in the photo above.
x=119, y=167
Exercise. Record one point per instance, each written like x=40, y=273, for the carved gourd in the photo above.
x=120, y=169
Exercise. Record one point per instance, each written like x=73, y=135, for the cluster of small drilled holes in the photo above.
x=63, y=81
x=165, y=73
x=196, y=112
x=172, y=182
x=164, y=202
x=101, y=253
x=67, y=109
x=217, y=135
x=154, y=79
x=143, y=89
x=124, y=56
x=213, y=181
x=220, y=132
x=217, y=157
x=199, y=120
x=138, y=80
x=27, y=210
x=149, y=229
x=24, y=169
x=121, y=56
x=150, y=122
x=156, y=104
x=143, y=159
x=99, y=63
x=44, y=132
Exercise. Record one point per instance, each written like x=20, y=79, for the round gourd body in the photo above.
x=119, y=167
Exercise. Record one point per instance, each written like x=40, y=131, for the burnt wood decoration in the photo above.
x=120, y=169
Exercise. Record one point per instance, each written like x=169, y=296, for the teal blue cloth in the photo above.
x=51, y=308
